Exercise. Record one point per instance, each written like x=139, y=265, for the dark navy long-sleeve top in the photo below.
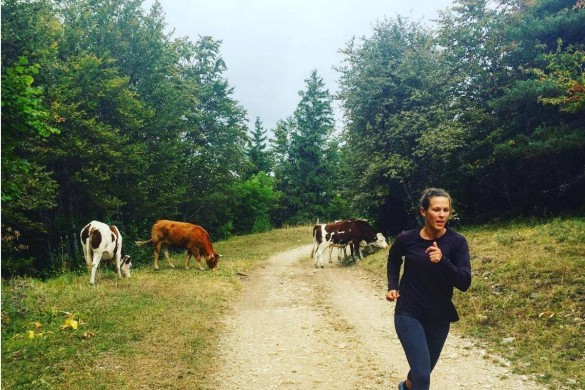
x=426, y=288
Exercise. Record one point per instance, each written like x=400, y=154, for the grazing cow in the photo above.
x=184, y=235
x=104, y=242
x=349, y=232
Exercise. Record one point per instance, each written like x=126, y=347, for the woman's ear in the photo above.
x=422, y=211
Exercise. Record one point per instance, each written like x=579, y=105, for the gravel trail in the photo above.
x=297, y=327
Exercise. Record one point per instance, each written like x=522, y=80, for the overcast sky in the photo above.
x=271, y=46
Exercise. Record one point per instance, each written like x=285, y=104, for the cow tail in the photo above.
x=141, y=243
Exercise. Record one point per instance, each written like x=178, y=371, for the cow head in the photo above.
x=212, y=261
x=125, y=264
x=380, y=241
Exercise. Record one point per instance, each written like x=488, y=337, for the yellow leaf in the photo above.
x=37, y=324
x=70, y=323
x=30, y=334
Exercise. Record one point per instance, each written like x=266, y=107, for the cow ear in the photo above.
x=218, y=255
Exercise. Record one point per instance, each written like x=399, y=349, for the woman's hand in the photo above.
x=434, y=252
x=392, y=295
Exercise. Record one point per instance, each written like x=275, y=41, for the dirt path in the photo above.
x=297, y=327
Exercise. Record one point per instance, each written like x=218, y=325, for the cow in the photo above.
x=348, y=232
x=183, y=235
x=341, y=247
x=104, y=242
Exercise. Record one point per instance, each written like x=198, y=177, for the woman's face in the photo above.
x=438, y=213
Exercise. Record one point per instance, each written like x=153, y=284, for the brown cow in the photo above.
x=184, y=235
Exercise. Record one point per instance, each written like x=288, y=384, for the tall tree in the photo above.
x=280, y=147
x=216, y=134
x=148, y=125
x=309, y=170
x=393, y=95
x=522, y=154
x=29, y=33
x=257, y=151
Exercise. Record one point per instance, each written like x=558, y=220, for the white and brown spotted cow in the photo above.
x=104, y=242
x=339, y=234
x=341, y=247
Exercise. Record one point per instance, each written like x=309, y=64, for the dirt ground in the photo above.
x=298, y=327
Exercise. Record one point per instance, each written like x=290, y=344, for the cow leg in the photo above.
x=197, y=255
x=88, y=256
x=358, y=255
x=330, y=253
x=200, y=262
x=316, y=246
x=94, y=267
x=319, y=255
x=316, y=257
x=352, y=250
x=187, y=260
x=168, y=256
x=157, y=246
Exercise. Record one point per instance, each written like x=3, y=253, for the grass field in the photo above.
x=526, y=303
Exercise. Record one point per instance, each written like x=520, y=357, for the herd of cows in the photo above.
x=340, y=234
x=104, y=242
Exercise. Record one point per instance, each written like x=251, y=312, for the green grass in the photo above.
x=160, y=328
x=527, y=298
x=157, y=329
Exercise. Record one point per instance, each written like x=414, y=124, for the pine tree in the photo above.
x=308, y=171
x=257, y=152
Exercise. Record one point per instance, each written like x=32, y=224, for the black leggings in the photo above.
x=422, y=344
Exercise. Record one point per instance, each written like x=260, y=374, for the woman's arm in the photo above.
x=457, y=267
x=394, y=264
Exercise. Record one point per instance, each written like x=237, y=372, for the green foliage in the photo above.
x=149, y=127
x=255, y=199
x=307, y=152
x=461, y=108
x=23, y=117
x=392, y=87
x=144, y=125
x=565, y=71
x=257, y=150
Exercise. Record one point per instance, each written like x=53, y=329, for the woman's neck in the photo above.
x=429, y=233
